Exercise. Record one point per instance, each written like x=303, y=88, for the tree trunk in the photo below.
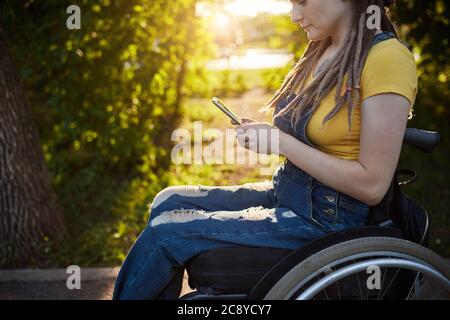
x=30, y=214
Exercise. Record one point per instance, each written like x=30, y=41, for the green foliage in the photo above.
x=273, y=78
x=231, y=84
x=424, y=25
x=104, y=98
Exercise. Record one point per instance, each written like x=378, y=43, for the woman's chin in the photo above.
x=314, y=36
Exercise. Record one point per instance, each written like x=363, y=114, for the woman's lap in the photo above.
x=187, y=222
x=213, y=198
x=186, y=233
x=287, y=212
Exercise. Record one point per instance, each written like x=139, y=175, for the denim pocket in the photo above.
x=353, y=213
x=324, y=202
x=291, y=194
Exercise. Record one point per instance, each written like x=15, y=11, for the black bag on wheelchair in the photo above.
x=400, y=211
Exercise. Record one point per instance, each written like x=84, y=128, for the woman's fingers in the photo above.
x=239, y=129
x=241, y=138
x=247, y=120
x=244, y=120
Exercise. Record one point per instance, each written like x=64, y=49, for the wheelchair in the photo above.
x=373, y=262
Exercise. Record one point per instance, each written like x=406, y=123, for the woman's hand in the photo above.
x=243, y=120
x=260, y=137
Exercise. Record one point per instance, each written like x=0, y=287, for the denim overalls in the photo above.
x=286, y=212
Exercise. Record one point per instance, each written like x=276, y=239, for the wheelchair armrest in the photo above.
x=423, y=140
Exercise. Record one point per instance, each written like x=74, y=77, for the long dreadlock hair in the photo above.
x=348, y=61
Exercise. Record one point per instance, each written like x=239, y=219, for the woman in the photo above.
x=341, y=114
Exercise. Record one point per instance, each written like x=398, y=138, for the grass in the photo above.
x=252, y=78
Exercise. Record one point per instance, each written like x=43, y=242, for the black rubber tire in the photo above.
x=322, y=258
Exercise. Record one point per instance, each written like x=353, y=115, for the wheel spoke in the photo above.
x=359, y=286
x=413, y=285
x=392, y=280
x=326, y=294
x=382, y=283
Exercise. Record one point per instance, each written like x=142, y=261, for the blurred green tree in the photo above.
x=30, y=213
x=424, y=25
x=105, y=97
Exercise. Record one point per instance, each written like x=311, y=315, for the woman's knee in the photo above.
x=163, y=196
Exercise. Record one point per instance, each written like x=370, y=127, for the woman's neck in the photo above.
x=342, y=30
x=339, y=36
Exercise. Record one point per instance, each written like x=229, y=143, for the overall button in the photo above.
x=328, y=212
x=330, y=198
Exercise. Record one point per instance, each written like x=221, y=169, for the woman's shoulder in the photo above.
x=390, y=51
x=390, y=67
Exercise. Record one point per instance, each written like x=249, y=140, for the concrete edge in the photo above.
x=42, y=275
x=38, y=275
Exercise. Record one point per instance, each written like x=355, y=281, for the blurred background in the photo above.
x=104, y=100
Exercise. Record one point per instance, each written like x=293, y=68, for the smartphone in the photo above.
x=226, y=110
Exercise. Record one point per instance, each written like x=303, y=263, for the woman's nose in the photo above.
x=297, y=14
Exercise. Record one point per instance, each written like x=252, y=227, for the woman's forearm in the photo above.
x=347, y=176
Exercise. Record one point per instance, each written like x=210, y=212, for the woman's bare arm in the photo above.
x=383, y=124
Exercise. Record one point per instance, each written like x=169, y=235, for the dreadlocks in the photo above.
x=347, y=63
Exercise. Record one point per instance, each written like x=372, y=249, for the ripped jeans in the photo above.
x=286, y=212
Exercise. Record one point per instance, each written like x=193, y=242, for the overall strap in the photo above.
x=385, y=35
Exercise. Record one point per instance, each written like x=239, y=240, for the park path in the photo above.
x=38, y=284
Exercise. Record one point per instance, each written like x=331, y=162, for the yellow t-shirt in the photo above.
x=390, y=68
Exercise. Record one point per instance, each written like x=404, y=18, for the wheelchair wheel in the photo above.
x=371, y=268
